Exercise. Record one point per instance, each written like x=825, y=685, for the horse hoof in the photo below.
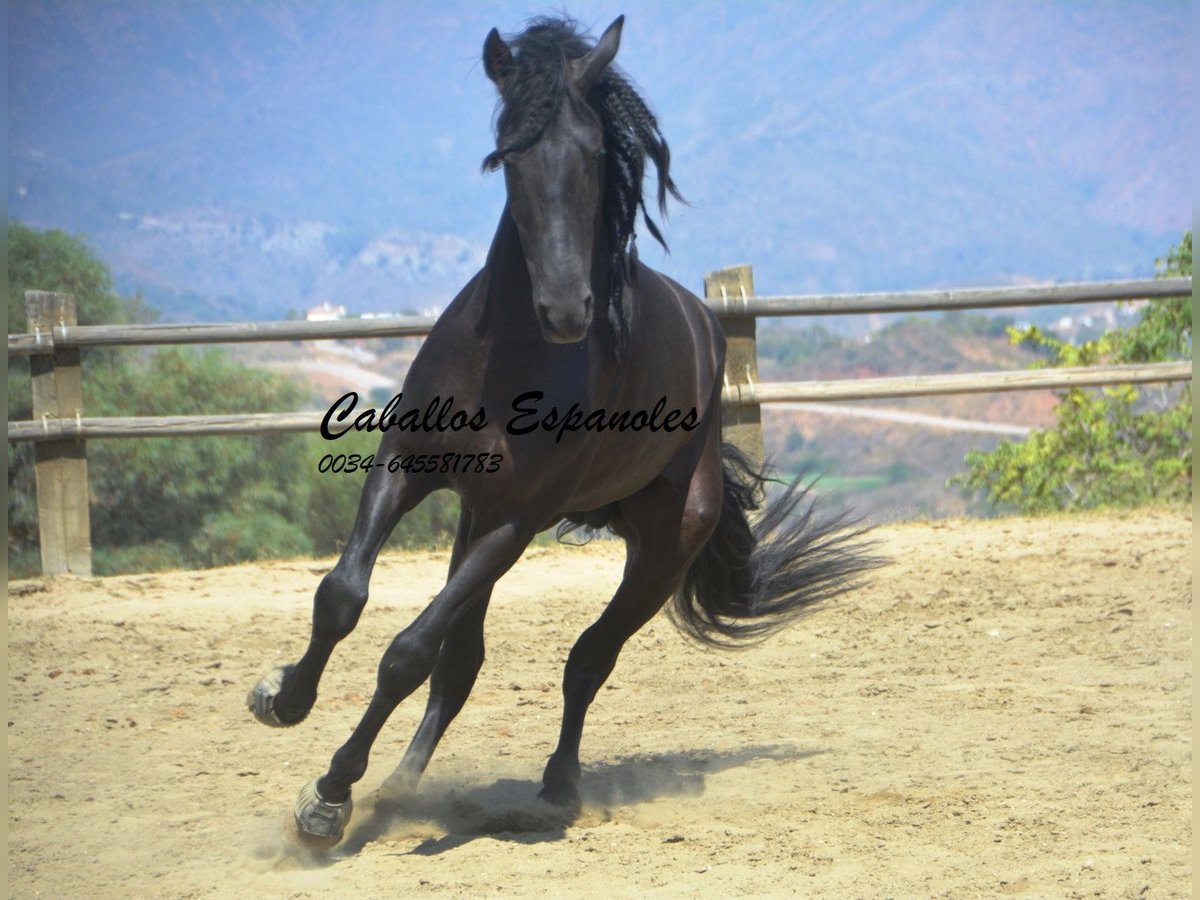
x=321, y=824
x=261, y=700
x=564, y=795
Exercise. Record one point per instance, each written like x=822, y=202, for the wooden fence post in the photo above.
x=64, y=530
x=726, y=289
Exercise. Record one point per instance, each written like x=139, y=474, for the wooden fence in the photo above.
x=59, y=430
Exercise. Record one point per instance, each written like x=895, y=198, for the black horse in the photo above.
x=566, y=384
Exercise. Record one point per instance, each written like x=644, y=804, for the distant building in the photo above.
x=326, y=312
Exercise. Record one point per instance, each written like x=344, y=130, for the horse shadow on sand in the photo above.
x=442, y=817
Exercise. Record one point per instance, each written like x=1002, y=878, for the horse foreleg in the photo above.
x=323, y=807
x=287, y=694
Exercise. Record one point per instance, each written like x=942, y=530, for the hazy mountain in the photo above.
x=239, y=160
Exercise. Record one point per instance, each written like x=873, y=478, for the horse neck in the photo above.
x=507, y=297
x=513, y=356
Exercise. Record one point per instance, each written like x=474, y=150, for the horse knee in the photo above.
x=338, y=603
x=406, y=663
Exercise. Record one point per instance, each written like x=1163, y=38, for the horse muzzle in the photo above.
x=565, y=323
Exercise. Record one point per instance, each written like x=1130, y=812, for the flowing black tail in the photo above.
x=750, y=581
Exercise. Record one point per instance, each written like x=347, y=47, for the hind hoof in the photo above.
x=564, y=795
x=560, y=783
x=261, y=700
x=320, y=824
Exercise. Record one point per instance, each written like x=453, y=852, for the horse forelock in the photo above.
x=534, y=87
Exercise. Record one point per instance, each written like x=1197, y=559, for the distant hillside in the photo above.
x=239, y=160
x=205, y=264
x=892, y=470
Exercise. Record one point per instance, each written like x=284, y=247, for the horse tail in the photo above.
x=749, y=581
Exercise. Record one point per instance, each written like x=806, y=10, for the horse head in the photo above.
x=551, y=144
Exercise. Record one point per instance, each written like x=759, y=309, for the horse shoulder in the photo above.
x=688, y=311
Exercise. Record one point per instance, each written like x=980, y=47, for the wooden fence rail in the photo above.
x=734, y=396
x=966, y=383
x=59, y=429
x=85, y=336
x=942, y=301
x=732, y=303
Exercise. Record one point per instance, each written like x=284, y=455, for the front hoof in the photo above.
x=261, y=700
x=321, y=824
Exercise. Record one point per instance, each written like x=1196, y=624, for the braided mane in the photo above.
x=534, y=88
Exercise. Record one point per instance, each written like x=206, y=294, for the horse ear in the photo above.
x=497, y=58
x=588, y=68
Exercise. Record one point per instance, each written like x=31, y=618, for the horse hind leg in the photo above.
x=459, y=661
x=664, y=528
x=286, y=694
x=453, y=677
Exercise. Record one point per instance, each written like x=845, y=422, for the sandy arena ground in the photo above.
x=1005, y=711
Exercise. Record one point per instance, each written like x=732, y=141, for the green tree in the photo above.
x=158, y=502
x=333, y=502
x=56, y=261
x=1120, y=446
x=48, y=261
x=204, y=500
x=183, y=502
